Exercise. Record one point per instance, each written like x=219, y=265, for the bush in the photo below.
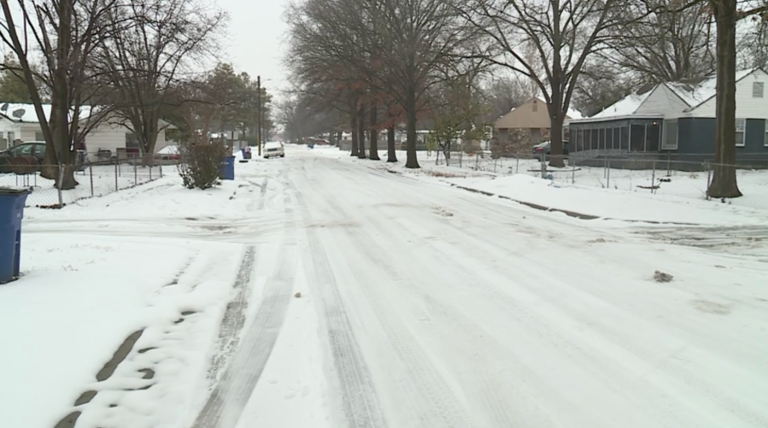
x=199, y=166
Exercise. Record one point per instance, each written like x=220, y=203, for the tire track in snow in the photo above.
x=505, y=303
x=232, y=392
x=434, y=401
x=359, y=399
x=587, y=358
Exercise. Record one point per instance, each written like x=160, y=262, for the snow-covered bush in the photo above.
x=200, y=161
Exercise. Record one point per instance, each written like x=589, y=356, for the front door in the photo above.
x=637, y=138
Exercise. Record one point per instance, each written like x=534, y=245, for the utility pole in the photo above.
x=258, y=113
x=264, y=133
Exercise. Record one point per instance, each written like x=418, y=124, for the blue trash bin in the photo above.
x=227, y=168
x=11, y=212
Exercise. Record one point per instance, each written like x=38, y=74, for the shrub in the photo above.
x=200, y=162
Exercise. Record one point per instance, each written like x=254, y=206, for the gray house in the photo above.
x=676, y=120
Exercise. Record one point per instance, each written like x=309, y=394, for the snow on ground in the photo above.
x=679, y=201
x=420, y=305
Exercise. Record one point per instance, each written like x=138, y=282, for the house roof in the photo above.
x=624, y=107
x=693, y=94
x=28, y=115
x=527, y=118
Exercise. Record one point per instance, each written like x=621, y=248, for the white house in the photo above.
x=18, y=124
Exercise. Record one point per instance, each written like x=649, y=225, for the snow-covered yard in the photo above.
x=676, y=187
x=322, y=291
x=94, y=181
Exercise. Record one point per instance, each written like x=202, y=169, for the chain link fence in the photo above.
x=665, y=176
x=93, y=180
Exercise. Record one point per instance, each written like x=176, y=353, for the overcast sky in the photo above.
x=255, y=39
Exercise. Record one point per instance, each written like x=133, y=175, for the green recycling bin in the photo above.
x=11, y=212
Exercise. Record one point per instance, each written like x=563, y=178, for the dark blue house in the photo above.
x=676, y=120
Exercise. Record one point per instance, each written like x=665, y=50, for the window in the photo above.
x=609, y=138
x=741, y=132
x=23, y=150
x=670, y=135
x=757, y=89
x=39, y=136
x=617, y=138
x=765, y=136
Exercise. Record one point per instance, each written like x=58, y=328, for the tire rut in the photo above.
x=360, y=402
x=250, y=356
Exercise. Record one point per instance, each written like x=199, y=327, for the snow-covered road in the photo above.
x=423, y=305
x=440, y=308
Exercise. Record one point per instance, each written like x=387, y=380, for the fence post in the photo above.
x=653, y=178
x=573, y=173
x=90, y=170
x=709, y=173
x=543, y=166
x=161, y=169
x=150, y=172
x=517, y=166
x=135, y=173
x=117, y=186
x=608, y=176
x=61, y=180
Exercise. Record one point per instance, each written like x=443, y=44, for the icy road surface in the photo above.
x=442, y=308
x=426, y=306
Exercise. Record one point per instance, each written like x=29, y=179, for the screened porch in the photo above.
x=616, y=136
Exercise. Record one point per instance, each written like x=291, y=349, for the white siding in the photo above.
x=747, y=107
x=663, y=102
x=6, y=127
x=161, y=141
x=111, y=137
x=105, y=137
x=29, y=132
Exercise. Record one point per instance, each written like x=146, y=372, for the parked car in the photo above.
x=273, y=149
x=544, y=149
x=34, y=149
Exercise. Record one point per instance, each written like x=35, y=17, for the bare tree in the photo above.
x=564, y=34
x=601, y=84
x=505, y=93
x=155, y=43
x=65, y=33
x=418, y=39
x=326, y=59
x=668, y=44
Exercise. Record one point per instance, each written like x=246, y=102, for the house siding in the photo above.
x=754, y=140
x=746, y=105
x=104, y=137
x=662, y=102
x=696, y=137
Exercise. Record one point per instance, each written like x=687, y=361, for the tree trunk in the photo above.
x=723, y=183
x=391, y=153
x=354, y=133
x=412, y=160
x=361, y=131
x=48, y=169
x=556, y=158
x=68, y=179
x=374, y=151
